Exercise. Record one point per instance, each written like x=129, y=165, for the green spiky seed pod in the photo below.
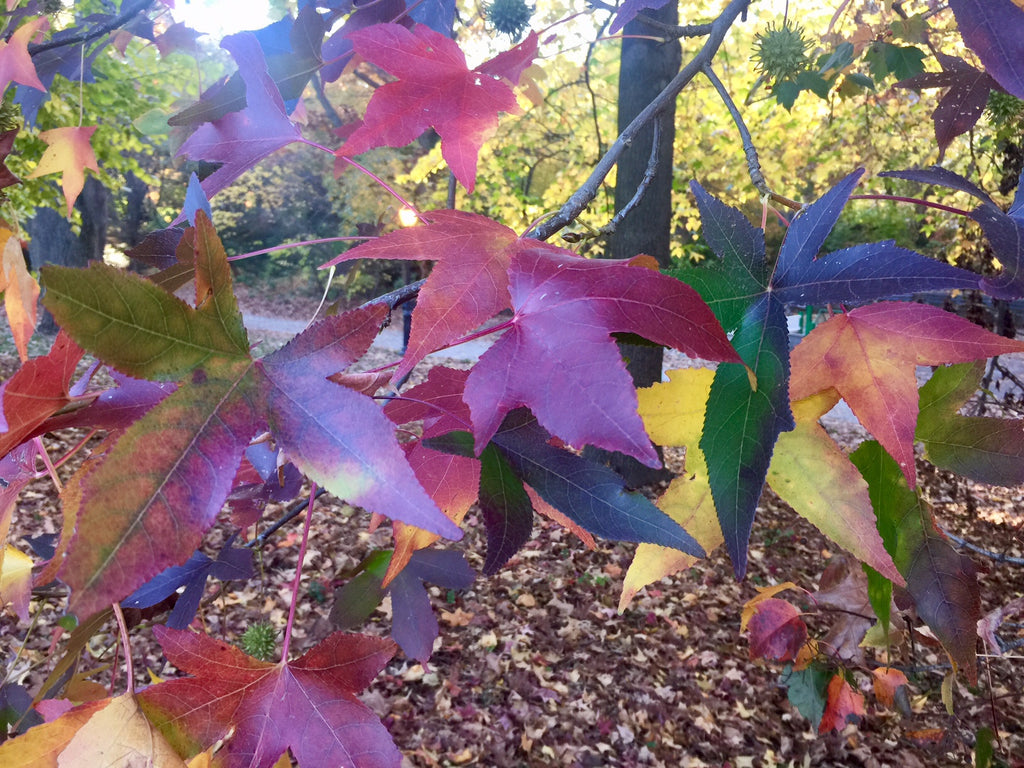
x=260, y=640
x=510, y=17
x=781, y=52
x=52, y=6
x=9, y=115
x=1003, y=108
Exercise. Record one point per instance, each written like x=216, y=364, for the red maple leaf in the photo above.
x=435, y=89
x=15, y=63
x=260, y=709
x=559, y=360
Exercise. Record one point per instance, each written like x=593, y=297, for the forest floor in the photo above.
x=536, y=667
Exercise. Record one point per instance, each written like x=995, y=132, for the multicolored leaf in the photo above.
x=869, y=355
x=558, y=357
x=942, y=582
x=20, y=289
x=15, y=62
x=69, y=153
x=985, y=449
x=843, y=704
x=259, y=710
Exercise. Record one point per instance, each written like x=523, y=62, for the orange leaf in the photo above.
x=886, y=682
x=69, y=153
x=41, y=745
x=21, y=292
x=842, y=703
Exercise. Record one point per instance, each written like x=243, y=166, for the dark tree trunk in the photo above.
x=135, y=209
x=646, y=68
x=93, y=205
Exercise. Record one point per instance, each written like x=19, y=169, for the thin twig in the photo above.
x=645, y=182
x=290, y=514
x=397, y=297
x=298, y=576
x=668, y=30
x=108, y=26
x=589, y=189
x=997, y=556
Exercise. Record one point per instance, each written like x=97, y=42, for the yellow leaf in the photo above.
x=119, y=735
x=40, y=746
x=21, y=292
x=673, y=413
x=16, y=580
x=69, y=153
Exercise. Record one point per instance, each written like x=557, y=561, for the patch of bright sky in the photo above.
x=222, y=17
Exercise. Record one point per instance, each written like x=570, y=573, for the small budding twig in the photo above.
x=645, y=182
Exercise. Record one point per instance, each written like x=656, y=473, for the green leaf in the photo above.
x=786, y=92
x=942, y=582
x=985, y=449
x=358, y=599
x=140, y=329
x=506, y=507
x=815, y=83
x=806, y=691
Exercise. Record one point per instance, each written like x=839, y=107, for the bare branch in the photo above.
x=641, y=190
x=582, y=197
x=132, y=10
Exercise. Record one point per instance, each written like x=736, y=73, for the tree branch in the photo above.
x=579, y=200
x=118, y=21
x=997, y=556
x=641, y=190
x=753, y=162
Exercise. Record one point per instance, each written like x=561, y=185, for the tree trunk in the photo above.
x=646, y=68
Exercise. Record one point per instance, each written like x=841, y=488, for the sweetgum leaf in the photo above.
x=962, y=105
x=233, y=563
x=468, y=284
x=20, y=289
x=260, y=710
x=742, y=424
x=942, y=582
x=842, y=704
x=559, y=359
x=985, y=449
x=15, y=62
x=338, y=437
x=36, y=391
x=239, y=140
x=589, y=494
x=68, y=152
x=1004, y=231
x=160, y=487
x=435, y=89
x=413, y=624
x=506, y=508
x=994, y=29
x=806, y=691
x=137, y=327
x=777, y=632
x=869, y=356
x=673, y=413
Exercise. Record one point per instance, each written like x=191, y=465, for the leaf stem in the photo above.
x=915, y=201
x=122, y=629
x=51, y=470
x=318, y=241
x=298, y=576
x=363, y=169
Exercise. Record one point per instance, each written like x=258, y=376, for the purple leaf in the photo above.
x=338, y=437
x=195, y=200
x=812, y=225
x=233, y=563
x=994, y=29
x=413, y=625
x=629, y=9
x=337, y=49
x=239, y=140
x=940, y=176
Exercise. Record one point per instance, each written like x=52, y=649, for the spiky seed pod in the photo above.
x=9, y=115
x=52, y=6
x=1004, y=108
x=260, y=640
x=781, y=52
x=510, y=17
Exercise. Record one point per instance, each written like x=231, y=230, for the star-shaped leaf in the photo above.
x=994, y=29
x=467, y=286
x=558, y=357
x=1004, y=230
x=435, y=89
x=159, y=488
x=259, y=710
x=15, y=62
x=68, y=153
x=869, y=354
x=749, y=296
x=239, y=140
x=942, y=582
x=962, y=105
